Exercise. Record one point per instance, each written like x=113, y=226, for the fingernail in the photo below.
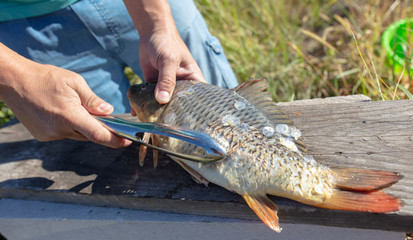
x=163, y=96
x=105, y=107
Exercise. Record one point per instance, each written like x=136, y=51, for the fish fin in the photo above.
x=374, y=201
x=143, y=149
x=254, y=90
x=357, y=179
x=252, y=85
x=265, y=209
x=142, y=154
x=155, y=152
x=198, y=178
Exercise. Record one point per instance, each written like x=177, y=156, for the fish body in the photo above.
x=265, y=152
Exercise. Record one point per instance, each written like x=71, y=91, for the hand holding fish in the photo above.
x=165, y=62
x=53, y=103
x=163, y=55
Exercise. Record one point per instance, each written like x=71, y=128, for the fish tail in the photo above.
x=374, y=201
x=357, y=179
x=359, y=190
x=265, y=209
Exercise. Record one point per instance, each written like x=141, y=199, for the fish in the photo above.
x=266, y=153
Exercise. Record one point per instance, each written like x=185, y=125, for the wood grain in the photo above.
x=349, y=131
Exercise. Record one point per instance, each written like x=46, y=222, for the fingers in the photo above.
x=93, y=130
x=90, y=100
x=172, y=69
x=190, y=71
x=165, y=58
x=58, y=105
x=86, y=126
x=166, y=80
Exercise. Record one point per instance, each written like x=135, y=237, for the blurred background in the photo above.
x=312, y=48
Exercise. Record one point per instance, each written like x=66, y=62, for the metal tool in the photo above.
x=129, y=130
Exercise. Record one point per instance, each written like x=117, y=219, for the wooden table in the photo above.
x=344, y=131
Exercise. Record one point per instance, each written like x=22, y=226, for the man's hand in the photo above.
x=163, y=55
x=165, y=58
x=53, y=103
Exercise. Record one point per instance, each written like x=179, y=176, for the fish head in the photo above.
x=143, y=102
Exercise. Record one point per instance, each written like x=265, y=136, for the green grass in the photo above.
x=5, y=113
x=312, y=48
x=308, y=49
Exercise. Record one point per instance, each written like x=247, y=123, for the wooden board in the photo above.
x=349, y=131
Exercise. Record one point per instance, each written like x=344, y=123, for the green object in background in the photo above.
x=5, y=115
x=398, y=42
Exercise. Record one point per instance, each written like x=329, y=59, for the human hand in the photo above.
x=165, y=58
x=163, y=55
x=54, y=103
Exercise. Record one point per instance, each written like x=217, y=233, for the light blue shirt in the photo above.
x=17, y=9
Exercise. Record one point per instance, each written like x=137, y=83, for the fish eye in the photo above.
x=144, y=87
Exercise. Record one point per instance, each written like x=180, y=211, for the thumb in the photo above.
x=166, y=82
x=90, y=101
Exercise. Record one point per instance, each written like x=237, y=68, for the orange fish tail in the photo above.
x=357, y=179
x=359, y=190
x=375, y=201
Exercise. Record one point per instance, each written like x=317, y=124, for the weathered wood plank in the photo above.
x=329, y=100
x=346, y=132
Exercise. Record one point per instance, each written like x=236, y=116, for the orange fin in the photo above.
x=143, y=148
x=155, y=152
x=375, y=201
x=364, y=179
x=265, y=209
x=142, y=154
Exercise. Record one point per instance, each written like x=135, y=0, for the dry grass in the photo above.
x=312, y=48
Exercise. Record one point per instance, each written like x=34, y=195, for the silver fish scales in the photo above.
x=265, y=152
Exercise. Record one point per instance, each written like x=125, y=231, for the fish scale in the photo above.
x=275, y=161
x=222, y=104
x=265, y=152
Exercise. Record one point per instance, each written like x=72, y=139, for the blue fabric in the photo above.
x=17, y=9
x=97, y=39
